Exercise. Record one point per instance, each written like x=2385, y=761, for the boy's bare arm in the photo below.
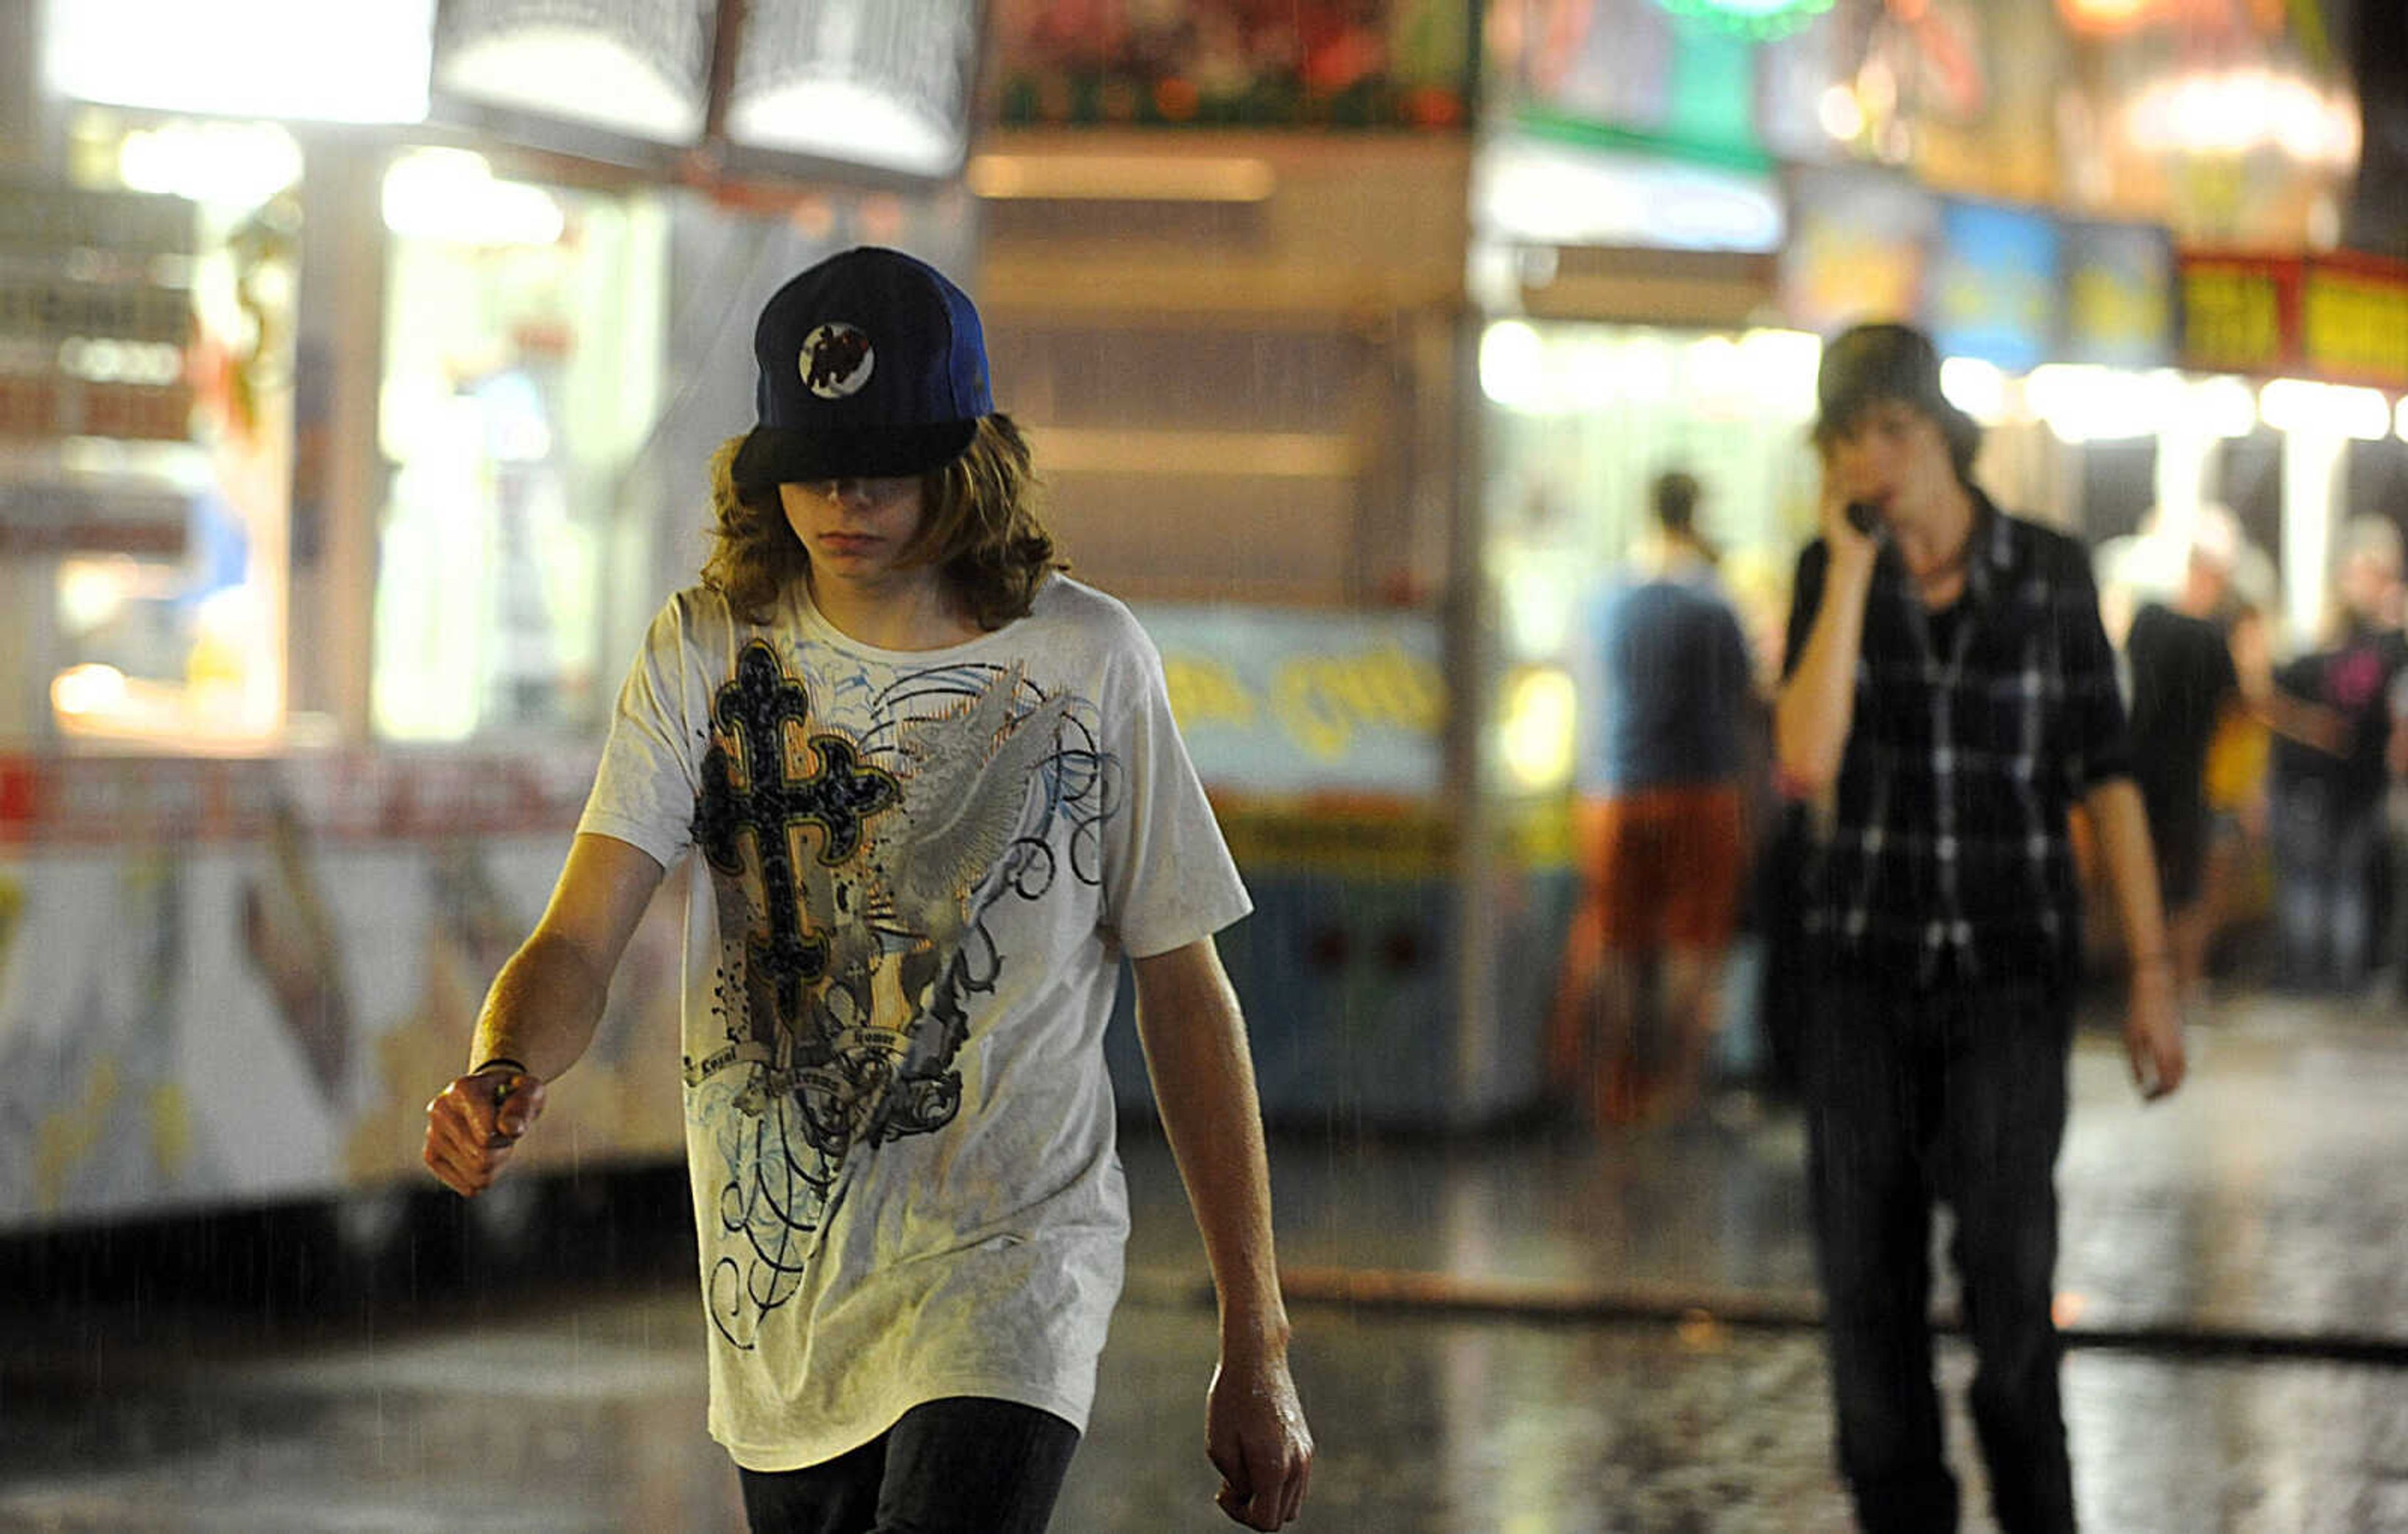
x=540, y=1012
x=2152, y=1022
x=1194, y=1040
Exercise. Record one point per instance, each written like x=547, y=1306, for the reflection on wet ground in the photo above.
x=2233, y=1272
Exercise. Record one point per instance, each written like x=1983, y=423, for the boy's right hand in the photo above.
x=1842, y=534
x=474, y=1124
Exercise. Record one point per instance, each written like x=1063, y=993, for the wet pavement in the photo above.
x=1545, y=1334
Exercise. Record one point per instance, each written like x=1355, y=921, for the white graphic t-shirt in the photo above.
x=919, y=870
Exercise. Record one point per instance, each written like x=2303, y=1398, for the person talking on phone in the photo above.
x=1949, y=697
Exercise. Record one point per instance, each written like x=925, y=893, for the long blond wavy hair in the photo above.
x=982, y=532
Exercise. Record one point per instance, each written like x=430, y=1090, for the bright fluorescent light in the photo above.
x=1780, y=367
x=451, y=194
x=2084, y=404
x=2225, y=407
x=1512, y=361
x=1976, y=387
x=2362, y=413
x=842, y=119
x=353, y=62
x=555, y=71
x=2289, y=404
x=241, y=164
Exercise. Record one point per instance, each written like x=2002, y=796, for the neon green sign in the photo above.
x=1758, y=21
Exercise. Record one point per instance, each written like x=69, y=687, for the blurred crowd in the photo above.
x=2274, y=770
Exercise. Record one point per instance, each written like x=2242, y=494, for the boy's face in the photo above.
x=855, y=530
x=1895, y=456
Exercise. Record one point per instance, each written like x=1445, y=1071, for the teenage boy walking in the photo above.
x=1949, y=697
x=936, y=794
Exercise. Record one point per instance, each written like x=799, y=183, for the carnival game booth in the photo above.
x=1222, y=268
x=229, y=982
x=1320, y=738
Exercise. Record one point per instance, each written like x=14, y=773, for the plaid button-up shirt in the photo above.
x=1945, y=849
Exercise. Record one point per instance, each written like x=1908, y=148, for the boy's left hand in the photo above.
x=2153, y=1035
x=1256, y=1433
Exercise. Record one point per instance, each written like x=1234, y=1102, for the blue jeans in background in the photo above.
x=2324, y=850
x=1913, y=1096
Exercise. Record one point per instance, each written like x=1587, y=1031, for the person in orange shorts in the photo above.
x=1658, y=827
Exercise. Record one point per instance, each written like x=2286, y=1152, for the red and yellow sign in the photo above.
x=2339, y=319
x=2238, y=312
x=2354, y=321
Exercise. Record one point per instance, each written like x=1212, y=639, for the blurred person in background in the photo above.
x=1660, y=822
x=938, y=793
x=1950, y=697
x=2236, y=883
x=2182, y=680
x=2327, y=780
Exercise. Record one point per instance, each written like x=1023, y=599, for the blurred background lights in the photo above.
x=1540, y=707
x=1975, y=387
x=451, y=196
x=88, y=689
x=2107, y=15
x=2234, y=111
x=1779, y=365
x=1839, y=113
x=2082, y=403
x=2296, y=404
x=1511, y=360
x=241, y=164
x=92, y=591
x=2225, y=406
x=1760, y=19
x=340, y=62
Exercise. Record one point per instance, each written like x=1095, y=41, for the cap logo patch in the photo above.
x=837, y=360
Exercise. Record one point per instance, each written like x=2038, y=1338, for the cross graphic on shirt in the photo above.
x=752, y=791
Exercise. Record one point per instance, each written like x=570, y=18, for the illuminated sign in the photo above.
x=2119, y=297
x=2354, y=323
x=2239, y=313
x=1277, y=702
x=1758, y=19
x=2336, y=319
x=1858, y=248
x=1560, y=195
x=1993, y=287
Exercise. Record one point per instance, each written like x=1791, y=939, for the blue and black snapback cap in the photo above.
x=871, y=366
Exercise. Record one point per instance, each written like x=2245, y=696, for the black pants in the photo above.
x=1957, y=1094
x=966, y=1465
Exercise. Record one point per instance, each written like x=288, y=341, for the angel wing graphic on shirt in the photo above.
x=966, y=790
